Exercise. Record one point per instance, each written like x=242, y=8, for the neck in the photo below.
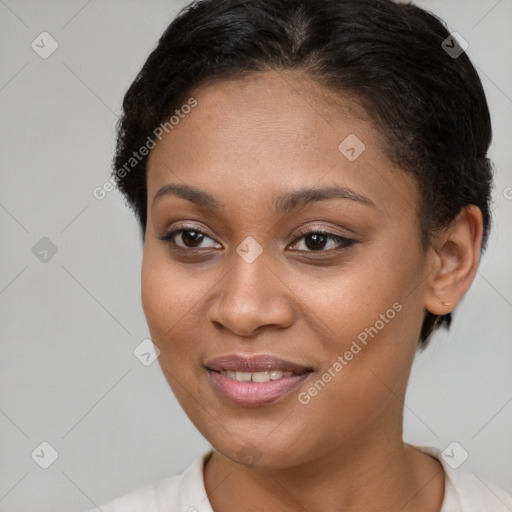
x=369, y=473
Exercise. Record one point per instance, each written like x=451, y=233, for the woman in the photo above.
x=312, y=184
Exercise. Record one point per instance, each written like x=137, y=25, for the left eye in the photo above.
x=316, y=240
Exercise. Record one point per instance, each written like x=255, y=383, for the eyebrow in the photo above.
x=192, y=194
x=299, y=198
x=283, y=203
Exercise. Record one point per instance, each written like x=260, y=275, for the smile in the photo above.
x=254, y=380
x=257, y=376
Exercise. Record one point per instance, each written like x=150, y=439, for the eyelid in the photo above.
x=189, y=227
x=168, y=235
x=319, y=229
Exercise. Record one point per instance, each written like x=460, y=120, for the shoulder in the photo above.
x=466, y=491
x=184, y=492
x=477, y=494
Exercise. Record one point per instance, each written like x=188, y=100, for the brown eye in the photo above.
x=317, y=240
x=191, y=238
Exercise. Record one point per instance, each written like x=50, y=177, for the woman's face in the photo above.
x=343, y=310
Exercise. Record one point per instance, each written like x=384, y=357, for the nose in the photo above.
x=251, y=296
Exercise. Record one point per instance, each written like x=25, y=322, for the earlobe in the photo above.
x=455, y=257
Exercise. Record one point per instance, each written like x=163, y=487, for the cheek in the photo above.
x=166, y=301
x=156, y=291
x=166, y=293
x=360, y=384
x=373, y=323
x=168, y=307
x=173, y=303
x=343, y=303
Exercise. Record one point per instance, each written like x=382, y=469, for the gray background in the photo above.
x=69, y=325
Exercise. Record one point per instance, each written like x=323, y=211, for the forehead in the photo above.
x=275, y=114
x=272, y=132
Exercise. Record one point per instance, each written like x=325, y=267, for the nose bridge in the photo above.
x=250, y=281
x=251, y=295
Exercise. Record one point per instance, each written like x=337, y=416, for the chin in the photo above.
x=260, y=453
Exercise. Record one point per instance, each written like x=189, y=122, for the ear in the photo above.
x=454, y=258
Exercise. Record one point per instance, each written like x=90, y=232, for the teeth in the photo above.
x=261, y=376
x=257, y=376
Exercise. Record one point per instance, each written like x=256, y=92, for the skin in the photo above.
x=244, y=143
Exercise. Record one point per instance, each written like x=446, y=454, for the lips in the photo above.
x=237, y=363
x=255, y=381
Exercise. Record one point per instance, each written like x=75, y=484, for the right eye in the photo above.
x=190, y=238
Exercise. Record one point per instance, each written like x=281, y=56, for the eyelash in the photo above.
x=343, y=241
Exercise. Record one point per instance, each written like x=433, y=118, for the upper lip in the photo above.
x=238, y=363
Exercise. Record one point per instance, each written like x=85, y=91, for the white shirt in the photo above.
x=464, y=492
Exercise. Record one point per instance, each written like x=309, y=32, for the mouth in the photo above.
x=264, y=376
x=255, y=381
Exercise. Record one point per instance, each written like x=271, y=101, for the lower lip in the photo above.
x=252, y=394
